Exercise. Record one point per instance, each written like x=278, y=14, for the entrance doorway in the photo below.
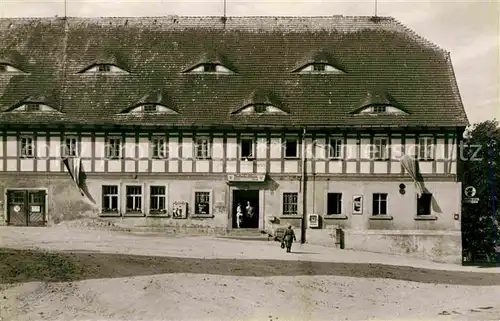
x=26, y=207
x=243, y=197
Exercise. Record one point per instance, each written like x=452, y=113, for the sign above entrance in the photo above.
x=246, y=177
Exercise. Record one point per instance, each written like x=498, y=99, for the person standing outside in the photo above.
x=288, y=238
x=239, y=216
x=249, y=212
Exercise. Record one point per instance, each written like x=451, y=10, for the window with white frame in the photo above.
x=335, y=148
x=291, y=148
x=202, y=148
x=27, y=147
x=202, y=203
x=290, y=203
x=114, y=148
x=380, y=149
x=109, y=199
x=70, y=146
x=159, y=147
x=426, y=148
x=247, y=147
x=157, y=200
x=379, y=204
x=133, y=195
x=334, y=204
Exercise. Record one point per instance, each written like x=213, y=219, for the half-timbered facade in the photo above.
x=349, y=123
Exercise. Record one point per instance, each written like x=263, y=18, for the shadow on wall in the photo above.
x=18, y=266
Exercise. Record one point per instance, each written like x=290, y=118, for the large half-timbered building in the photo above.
x=351, y=123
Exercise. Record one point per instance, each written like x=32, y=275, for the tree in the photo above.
x=481, y=169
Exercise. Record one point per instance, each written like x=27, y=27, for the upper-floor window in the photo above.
x=151, y=108
x=335, y=148
x=426, y=148
x=159, y=147
x=247, y=148
x=33, y=107
x=260, y=109
x=210, y=68
x=27, y=147
x=202, y=148
x=104, y=68
x=379, y=109
x=7, y=68
x=380, y=149
x=71, y=147
x=114, y=148
x=319, y=68
x=291, y=148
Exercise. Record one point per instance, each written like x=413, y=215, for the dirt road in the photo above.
x=101, y=275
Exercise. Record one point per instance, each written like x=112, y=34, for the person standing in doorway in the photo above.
x=239, y=216
x=249, y=212
x=288, y=238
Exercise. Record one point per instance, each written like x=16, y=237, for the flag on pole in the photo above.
x=73, y=165
x=409, y=164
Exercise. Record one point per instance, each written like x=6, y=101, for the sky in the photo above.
x=470, y=30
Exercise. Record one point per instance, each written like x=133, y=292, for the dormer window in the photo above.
x=319, y=68
x=33, y=107
x=260, y=109
x=210, y=68
x=104, y=68
x=379, y=109
x=151, y=108
x=7, y=68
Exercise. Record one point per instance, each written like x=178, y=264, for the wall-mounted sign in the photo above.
x=35, y=209
x=470, y=191
x=244, y=177
x=313, y=220
x=17, y=208
x=357, y=204
x=179, y=210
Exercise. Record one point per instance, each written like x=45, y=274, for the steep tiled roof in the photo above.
x=263, y=51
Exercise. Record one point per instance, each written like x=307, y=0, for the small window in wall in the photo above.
x=109, y=199
x=202, y=148
x=426, y=148
x=424, y=204
x=379, y=204
x=114, y=148
x=379, y=109
x=159, y=148
x=290, y=205
x=334, y=203
x=247, y=148
x=104, y=68
x=335, y=148
x=157, y=200
x=291, y=148
x=27, y=147
x=70, y=149
x=134, y=199
x=380, y=149
x=202, y=203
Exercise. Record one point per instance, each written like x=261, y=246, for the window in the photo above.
x=30, y=107
x=202, y=148
x=291, y=148
x=113, y=148
x=260, y=108
x=159, y=148
x=334, y=203
x=247, y=148
x=27, y=147
x=209, y=68
x=318, y=67
x=335, y=148
x=70, y=147
x=149, y=108
x=103, y=68
x=379, y=149
x=109, y=199
x=424, y=204
x=3, y=68
x=290, y=203
x=379, y=109
x=426, y=148
x=157, y=200
x=134, y=199
x=379, y=204
x=202, y=203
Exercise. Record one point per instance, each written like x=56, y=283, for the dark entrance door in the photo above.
x=243, y=197
x=26, y=207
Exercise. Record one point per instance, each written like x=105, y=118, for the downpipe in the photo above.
x=304, y=189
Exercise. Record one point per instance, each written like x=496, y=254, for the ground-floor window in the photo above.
x=334, y=203
x=109, y=199
x=202, y=203
x=290, y=201
x=424, y=204
x=157, y=200
x=134, y=199
x=379, y=204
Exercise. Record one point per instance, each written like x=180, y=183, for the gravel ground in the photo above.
x=121, y=276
